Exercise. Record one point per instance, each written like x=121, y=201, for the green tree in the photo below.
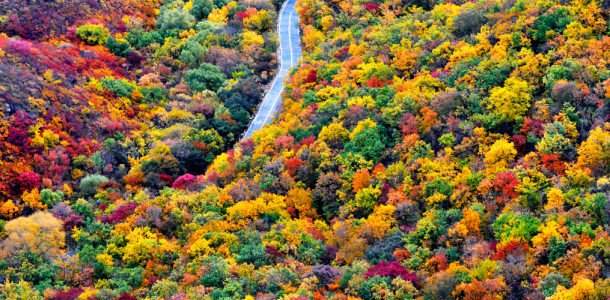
x=518, y=227
x=367, y=143
x=557, y=22
x=51, y=198
x=421, y=149
x=93, y=34
x=366, y=198
x=216, y=272
x=557, y=248
x=141, y=39
x=193, y=54
x=325, y=193
x=212, y=140
x=447, y=140
x=120, y=48
x=549, y=283
x=124, y=280
x=88, y=185
x=120, y=87
x=253, y=253
x=556, y=139
x=598, y=206
x=164, y=289
x=207, y=77
x=175, y=19
x=202, y=8
x=153, y=94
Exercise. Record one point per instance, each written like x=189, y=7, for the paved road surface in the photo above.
x=290, y=54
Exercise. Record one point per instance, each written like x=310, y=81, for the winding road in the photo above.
x=290, y=53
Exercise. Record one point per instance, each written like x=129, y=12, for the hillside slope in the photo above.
x=424, y=150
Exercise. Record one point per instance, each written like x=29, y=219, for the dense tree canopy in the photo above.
x=423, y=150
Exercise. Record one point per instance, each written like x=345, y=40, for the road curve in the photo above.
x=290, y=53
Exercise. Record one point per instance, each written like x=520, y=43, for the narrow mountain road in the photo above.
x=290, y=53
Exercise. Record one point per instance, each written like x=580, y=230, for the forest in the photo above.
x=424, y=149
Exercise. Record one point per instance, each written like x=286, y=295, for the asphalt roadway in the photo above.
x=290, y=54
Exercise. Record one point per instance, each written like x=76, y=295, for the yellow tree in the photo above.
x=40, y=233
x=362, y=125
x=200, y=247
x=555, y=200
x=142, y=245
x=583, y=289
x=19, y=291
x=327, y=23
x=8, y=209
x=250, y=210
x=301, y=200
x=312, y=37
x=361, y=180
x=471, y=220
x=404, y=59
x=595, y=151
x=512, y=100
x=32, y=199
x=499, y=155
x=378, y=224
x=333, y=134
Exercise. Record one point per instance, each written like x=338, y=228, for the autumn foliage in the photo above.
x=423, y=150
